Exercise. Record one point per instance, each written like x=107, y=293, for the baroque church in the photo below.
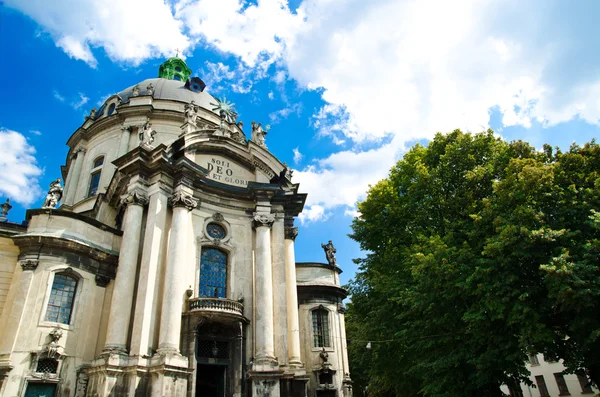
x=165, y=265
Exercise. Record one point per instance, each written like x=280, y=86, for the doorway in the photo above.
x=210, y=380
x=40, y=390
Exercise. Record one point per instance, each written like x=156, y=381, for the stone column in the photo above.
x=124, y=142
x=263, y=301
x=145, y=322
x=73, y=177
x=122, y=298
x=292, y=297
x=175, y=282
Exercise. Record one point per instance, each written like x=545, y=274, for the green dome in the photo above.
x=174, y=69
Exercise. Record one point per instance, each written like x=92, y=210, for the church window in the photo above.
x=320, y=322
x=111, y=109
x=213, y=273
x=62, y=296
x=214, y=230
x=95, y=176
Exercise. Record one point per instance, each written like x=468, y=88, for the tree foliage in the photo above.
x=480, y=252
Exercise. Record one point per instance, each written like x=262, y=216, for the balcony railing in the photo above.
x=216, y=305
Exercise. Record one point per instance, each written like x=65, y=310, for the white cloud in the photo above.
x=343, y=178
x=352, y=212
x=19, y=171
x=297, y=155
x=257, y=33
x=58, y=96
x=393, y=69
x=35, y=132
x=313, y=213
x=281, y=114
x=129, y=31
x=271, y=95
x=82, y=100
x=220, y=77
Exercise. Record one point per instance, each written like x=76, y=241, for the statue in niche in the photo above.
x=150, y=89
x=146, y=134
x=329, y=253
x=258, y=134
x=135, y=91
x=55, y=193
x=191, y=113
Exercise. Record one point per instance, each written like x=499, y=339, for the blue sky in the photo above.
x=347, y=86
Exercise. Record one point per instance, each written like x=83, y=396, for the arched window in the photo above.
x=62, y=296
x=95, y=176
x=111, y=109
x=320, y=325
x=213, y=273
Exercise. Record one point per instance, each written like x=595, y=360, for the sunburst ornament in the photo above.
x=223, y=107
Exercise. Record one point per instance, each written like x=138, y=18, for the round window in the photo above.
x=215, y=230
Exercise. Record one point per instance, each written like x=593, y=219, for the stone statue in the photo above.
x=288, y=172
x=135, y=91
x=54, y=195
x=149, y=89
x=53, y=346
x=330, y=253
x=258, y=134
x=191, y=113
x=92, y=113
x=146, y=134
x=324, y=356
x=5, y=208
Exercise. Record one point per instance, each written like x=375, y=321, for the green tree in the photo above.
x=480, y=252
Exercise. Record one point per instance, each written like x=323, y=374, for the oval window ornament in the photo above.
x=214, y=230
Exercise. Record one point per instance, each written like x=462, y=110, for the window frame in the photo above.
x=69, y=271
x=95, y=170
x=327, y=312
x=226, y=253
x=561, y=383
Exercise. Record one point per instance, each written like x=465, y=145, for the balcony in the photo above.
x=217, y=307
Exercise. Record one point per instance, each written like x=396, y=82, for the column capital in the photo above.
x=291, y=233
x=263, y=220
x=136, y=197
x=29, y=264
x=182, y=199
x=76, y=152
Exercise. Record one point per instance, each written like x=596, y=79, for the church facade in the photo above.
x=165, y=266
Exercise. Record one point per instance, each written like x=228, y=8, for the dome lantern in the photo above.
x=174, y=69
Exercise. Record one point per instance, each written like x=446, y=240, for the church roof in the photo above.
x=171, y=90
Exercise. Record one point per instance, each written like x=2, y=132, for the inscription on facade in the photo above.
x=225, y=171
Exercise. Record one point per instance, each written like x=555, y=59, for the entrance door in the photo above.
x=210, y=381
x=40, y=390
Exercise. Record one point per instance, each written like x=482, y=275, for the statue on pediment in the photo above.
x=259, y=134
x=146, y=134
x=191, y=113
x=330, y=253
x=55, y=193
